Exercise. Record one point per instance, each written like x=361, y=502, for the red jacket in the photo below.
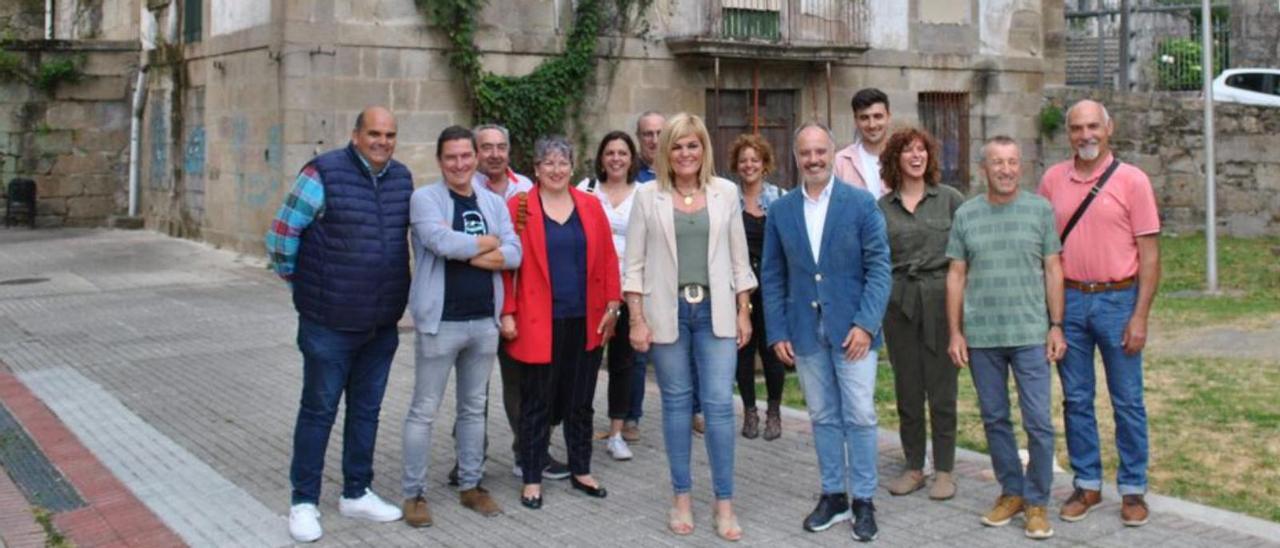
x=527, y=291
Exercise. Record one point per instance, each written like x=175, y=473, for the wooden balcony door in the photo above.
x=776, y=122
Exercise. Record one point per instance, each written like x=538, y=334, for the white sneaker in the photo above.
x=369, y=506
x=618, y=448
x=304, y=522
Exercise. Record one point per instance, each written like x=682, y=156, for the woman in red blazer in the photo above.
x=559, y=306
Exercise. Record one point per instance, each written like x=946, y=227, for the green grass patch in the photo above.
x=1214, y=428
x=1248, y=275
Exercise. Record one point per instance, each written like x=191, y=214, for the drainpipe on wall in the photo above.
x=48, y=19
x=146, y=36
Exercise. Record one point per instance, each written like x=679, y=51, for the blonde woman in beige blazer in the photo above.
x=688, y=283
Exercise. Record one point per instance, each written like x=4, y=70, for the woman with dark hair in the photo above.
x=614, y=183
x=751, y=158
x=559, y=307
x=917, y=213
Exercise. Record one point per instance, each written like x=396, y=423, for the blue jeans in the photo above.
x=471, y=347
x=637, y=387
x=354, y=363
x=990, y=369
x=1099, y=320
x=697, y=351
x=840, y=395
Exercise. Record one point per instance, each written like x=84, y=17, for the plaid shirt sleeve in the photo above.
x=303, y=204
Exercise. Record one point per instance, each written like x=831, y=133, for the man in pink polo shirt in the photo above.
x=1111, y=262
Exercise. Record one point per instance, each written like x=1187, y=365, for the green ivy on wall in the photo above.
x=543, y=101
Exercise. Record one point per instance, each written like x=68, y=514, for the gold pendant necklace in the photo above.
x=688, y=198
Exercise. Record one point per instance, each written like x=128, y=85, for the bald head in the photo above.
x=815, y=153
x=1089, y=129
x=374, y=136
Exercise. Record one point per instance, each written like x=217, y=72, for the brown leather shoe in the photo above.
x=944, y=486
x=416, y=512
x=630, y=431
x=909, y=482
x=773, y=421
x=1079, y=504
x=1037, y=526
x=478, y=499
x=750, y=423
x=1005, y=508
x=1134, y=511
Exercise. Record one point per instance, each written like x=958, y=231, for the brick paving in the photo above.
x=175, y=365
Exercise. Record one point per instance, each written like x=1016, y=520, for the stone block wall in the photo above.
x=1163, y=133
x=73, y=142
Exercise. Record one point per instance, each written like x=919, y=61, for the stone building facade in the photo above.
x=255, y=88
x=265, y=86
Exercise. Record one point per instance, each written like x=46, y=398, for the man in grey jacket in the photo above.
x=462, y=240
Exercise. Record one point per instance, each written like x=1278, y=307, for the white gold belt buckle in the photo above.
x=693, y=293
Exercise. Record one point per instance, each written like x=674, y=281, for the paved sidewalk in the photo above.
x=175, y=365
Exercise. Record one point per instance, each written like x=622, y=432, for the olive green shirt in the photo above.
x=918, y=255
x=693, y=230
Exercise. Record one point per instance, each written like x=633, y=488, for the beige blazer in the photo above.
x=651, y=258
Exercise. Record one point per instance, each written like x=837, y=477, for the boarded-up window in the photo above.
x=946, y=116
x=192, y=20
x=775, y=116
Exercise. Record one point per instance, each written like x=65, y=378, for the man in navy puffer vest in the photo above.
x=340, y=240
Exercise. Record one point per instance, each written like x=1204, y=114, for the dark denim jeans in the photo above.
x=333, y=363
x=1098, y=320
x=990, y=368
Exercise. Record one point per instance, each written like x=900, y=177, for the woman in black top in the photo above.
x=751, y=158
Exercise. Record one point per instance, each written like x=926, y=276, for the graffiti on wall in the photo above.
x=257, y=184
x=193, y=153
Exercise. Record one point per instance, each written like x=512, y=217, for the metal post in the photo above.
x=1210, y=167
x=1124, y=46
x=1102, y=51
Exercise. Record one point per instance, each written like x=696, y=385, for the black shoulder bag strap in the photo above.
x=1093, y=193
x=591, y=185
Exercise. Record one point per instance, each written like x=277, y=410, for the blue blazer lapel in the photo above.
x=801, y=238
x=829, y=227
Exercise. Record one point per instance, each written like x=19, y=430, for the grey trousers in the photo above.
x=471, y=347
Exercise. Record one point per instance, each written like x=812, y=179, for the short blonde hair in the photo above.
x=678, y=127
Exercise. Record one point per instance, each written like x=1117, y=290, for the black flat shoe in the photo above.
x=532, y=503
x=597, y=491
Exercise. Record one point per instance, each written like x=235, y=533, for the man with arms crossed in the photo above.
x=1004, y=309
x=462, y=240
x=825, y=277
x=1111, y=260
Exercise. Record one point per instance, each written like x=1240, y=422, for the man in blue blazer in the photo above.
x=825, y=279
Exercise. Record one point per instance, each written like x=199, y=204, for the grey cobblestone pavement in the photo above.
x=176, y=365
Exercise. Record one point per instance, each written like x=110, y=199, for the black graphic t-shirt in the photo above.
x=468, y=291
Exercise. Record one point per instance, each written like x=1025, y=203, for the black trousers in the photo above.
x=564, y=389
x=774, y=372
x=619, y=360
